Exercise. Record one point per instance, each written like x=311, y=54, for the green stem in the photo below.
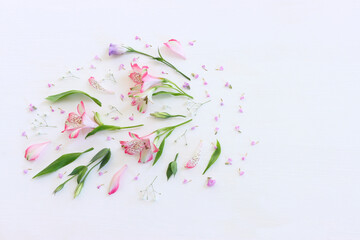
x=159, y=59
x=177, y=87
x=166, y=129
x=140, y=125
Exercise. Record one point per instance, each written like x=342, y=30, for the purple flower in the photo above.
x=116, y=50
x=186, y=85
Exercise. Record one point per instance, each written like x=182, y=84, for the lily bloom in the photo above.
x=114, y=184
x=175, y=46
x=33, y=151
x=117, y=50
x=140, y=145
x=138, y=73
x=77, y=121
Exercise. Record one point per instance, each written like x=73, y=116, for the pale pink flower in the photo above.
x=242, y=97
x=143, y=146
x=175, y=46
x=121, y=67
x=131, y=118
x=114, y=184
x=33, y=151
x=76, y=122
x=241, y=172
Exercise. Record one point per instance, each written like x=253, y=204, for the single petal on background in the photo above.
x=114, y=184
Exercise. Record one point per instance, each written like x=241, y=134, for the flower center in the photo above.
x=138, y=78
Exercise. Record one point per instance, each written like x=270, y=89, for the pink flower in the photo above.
x=204, y=67
x=175, y=46
x=138, y=73
x=242, y=97
x=140, y=145
x=32, y=108
x=75, y=122
x=33, y=151
x=114, y=184
x=196, y=76
x=210, y=182
x=241, y=172
x=58, y=147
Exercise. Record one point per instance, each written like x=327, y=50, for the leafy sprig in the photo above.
x=214, y=156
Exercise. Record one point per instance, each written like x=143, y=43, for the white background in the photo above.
x=297, y=63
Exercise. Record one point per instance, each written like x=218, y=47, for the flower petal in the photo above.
x=33, y=151
x=114, y=184
x=81, y=108
x=87, y=122
x=175, y=46
x=75, y=133
x=146, y=155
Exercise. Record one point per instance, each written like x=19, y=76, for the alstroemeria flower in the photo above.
x=139, y=73
x=33, y=151
x=140, y=145
x=114, y=184
x=175, y=46
x=117, y=50
x=77, y=121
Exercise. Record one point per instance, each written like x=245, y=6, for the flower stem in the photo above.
x=159, y=59
x=166, y=129
x=140, y=125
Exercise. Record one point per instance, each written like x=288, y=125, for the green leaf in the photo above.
x=78, y=189
x=214, y=156
x=161, y=148
x=110, y=128
x=165, y=92
x=164, y=115
x=61, y=162
x=77, y=170
x=57, y=97
x=100, y=154
x=105, y=160
x=81, y=174
x=172, y=168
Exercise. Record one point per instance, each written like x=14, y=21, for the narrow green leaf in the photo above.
x=214, y=156
x=110, y=128
x=165, y=115
x=172, y=168
x=100, y=154
x=165, y=92
x=161, y=148
x=57, y=97
x=77, y=170
x=62, y=161
x=81, y=174
x=105, y=160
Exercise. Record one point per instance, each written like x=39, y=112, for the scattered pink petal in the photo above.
x=25, y=171
x=99, y=186
x=131, y=117
x=52, y=110
x=51, y=85
x=240, y=110
x=194, y=127
x=164, y=72
x=205, y=82
x=97, y=58
x=58, y=147
x=237, y=128
x=114, y=184
x=244, y=157
x=221, y=102
x=24, y=134
x=61, y=111
x=32, y=108
x=186, y=85
x=136, y=177
x=78, y=69
x=122, y=97
x=121, y=67
x=60, y=175
x=148, y=46
x=92, y=67
x=228, y=162
x=186, y=181
x=221, y=68
x=216, y=118
x=137, y=38
x=135, y=59
x=108, y=138
x=253, y=143
x=95, y=84
x=242, y=97
x=100, y=173
x=241, y=172
x=175, y=46
x=204, y=67
x=210, y=182
x=191, y=43
x=226, y=84
x=33, y=151
x=116, y=118
x=207, y=94
x=216, y=130
x=196, y=76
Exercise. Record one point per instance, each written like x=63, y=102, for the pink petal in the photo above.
x=145, y=156
x=75, y=133
x=33, y=151
x=175, y=46
x=81, y=107
x=114, y=184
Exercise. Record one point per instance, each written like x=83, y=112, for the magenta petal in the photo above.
x=114, y=184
